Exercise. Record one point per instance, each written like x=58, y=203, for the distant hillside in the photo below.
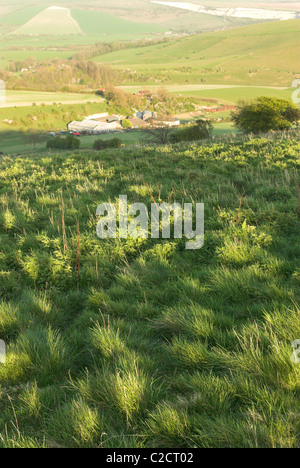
x=51, y=21
x=266, y=53
x=103, y=18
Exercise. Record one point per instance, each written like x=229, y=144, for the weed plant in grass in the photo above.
x=140, y=343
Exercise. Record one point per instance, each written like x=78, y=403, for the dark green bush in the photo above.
x=70, y=142
x=266, y=114
x=100, y=145
x=202, y=130
x=113, y=143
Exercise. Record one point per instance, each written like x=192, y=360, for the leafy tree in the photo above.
x=126, y=124
x=122, y=101
x=99, y=145
x=70, y=142
x=75, y=143
x=114, y=143
x=266, y=114
x=34, y=137
x=159, y=135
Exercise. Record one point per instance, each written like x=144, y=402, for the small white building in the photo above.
x=83, y=126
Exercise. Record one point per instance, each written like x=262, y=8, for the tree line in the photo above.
x=60, y=75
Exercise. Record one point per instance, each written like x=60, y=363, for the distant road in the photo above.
x=27, y=98
x=39, y=103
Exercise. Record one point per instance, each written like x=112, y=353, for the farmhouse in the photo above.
x=144, y=115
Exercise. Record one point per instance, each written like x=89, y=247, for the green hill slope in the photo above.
x=259, y=54
x=140, y=343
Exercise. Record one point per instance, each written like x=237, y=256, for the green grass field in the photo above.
x=16, y=142
x=235, y=95
x=15, y=123
x=26, y=98
x=140, y=343
x=57, y=21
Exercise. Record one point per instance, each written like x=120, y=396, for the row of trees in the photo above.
x=103, y=48
x=61, y=75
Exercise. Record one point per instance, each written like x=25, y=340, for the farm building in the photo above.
x=94, y=126
x=144, y=115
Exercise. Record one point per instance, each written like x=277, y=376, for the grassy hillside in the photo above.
x=141, y=343
x=134, y=12
x=265, y=54
x=91, y=23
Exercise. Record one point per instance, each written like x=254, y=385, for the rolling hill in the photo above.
x=135, y=16
x=51, y=21
x=261, y=54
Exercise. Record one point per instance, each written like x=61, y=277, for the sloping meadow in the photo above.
x=141, y=343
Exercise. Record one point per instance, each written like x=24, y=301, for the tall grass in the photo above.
x=140, y=343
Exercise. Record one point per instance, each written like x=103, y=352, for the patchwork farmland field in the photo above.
x=141, y=343
x=59, y=23
x=54, y=21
